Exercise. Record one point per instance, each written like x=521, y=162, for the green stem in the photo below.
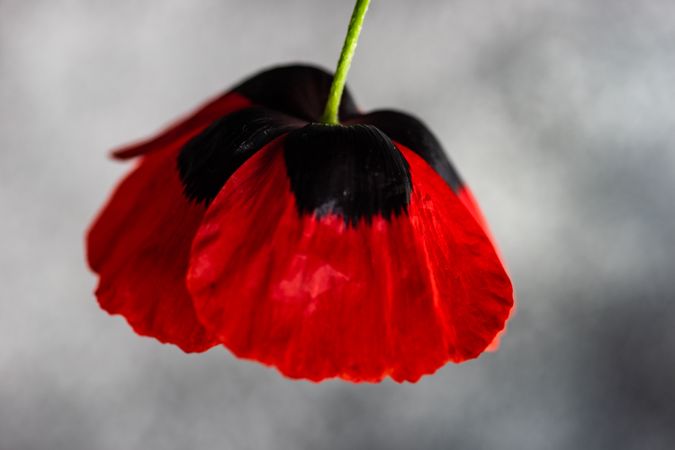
x=330, y=114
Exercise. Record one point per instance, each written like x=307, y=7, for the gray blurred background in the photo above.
x=560, y=114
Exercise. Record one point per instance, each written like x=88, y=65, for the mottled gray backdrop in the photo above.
x=561, y=115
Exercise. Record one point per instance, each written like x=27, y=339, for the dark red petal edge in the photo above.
x=186, y=128
x=297, y=90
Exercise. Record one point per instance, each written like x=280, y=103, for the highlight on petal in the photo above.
x=318, y=298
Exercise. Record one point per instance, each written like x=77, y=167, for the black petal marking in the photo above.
x=210, y=158
x=411, y=132
x=352, y=171
x=299, y=91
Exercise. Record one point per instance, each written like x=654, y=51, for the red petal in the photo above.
x=139, y=245
x=184, y=129
x=319, y=299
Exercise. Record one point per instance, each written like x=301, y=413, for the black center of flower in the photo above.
x=354, y=171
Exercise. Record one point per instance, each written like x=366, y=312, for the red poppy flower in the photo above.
x=352, y=251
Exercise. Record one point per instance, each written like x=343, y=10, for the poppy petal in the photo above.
x=296, y=90
x=317, y=296
x=176, y=135
x=139, y=245
x=413, y=134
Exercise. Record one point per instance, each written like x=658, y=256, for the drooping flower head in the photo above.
x=352, y=251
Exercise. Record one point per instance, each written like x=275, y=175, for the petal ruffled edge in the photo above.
x=139, y=246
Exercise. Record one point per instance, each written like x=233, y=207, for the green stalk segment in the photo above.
x=330, y=114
